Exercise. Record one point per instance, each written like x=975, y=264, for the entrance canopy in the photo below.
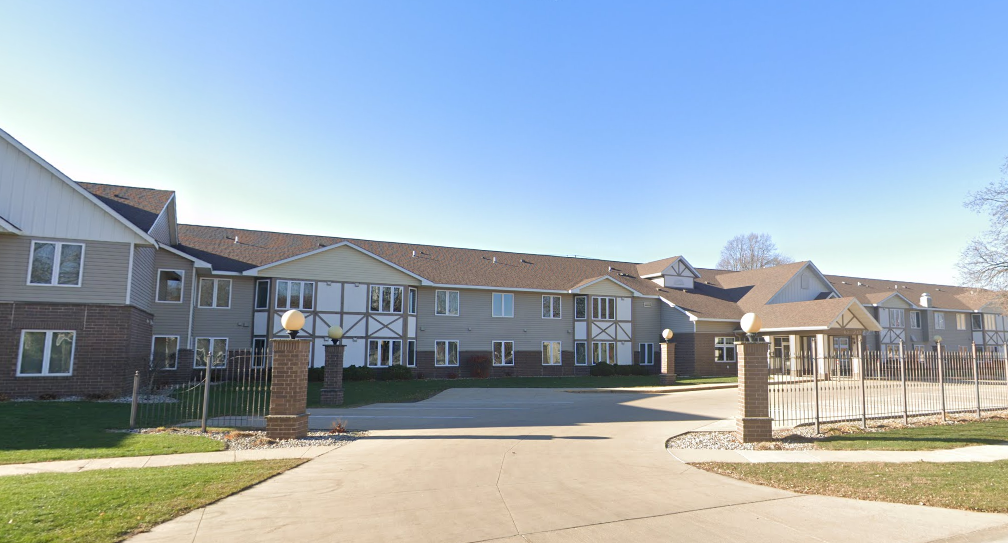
x=831, y=314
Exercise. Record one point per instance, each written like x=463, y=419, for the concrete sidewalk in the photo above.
x=978, y=453
x=219, y=457
x=655, y=390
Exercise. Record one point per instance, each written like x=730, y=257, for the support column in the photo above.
x=332, y=389
x=667, y=375
x=288, y=417
x=753, y=421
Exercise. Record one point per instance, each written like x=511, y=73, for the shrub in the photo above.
x=317, y=375
x=338, y=426
x=634, y=369
x=358, y=373
x=602, y=369
x=480, y=366
x=47, y=397
x=398, y=372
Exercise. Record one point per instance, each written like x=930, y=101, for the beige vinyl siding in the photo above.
x=341, y=264
x=235, y=322
x=793, y=291
x=606, y=288
x=103, y=281
x=647, y=322
x=172, y=319
x=527, y=328
x=143, y=280
x=160, y=229
x=717, y=326
x=674, y=319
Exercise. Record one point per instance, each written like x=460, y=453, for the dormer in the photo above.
x=677, y=273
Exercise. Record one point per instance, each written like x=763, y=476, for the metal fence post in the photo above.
x=941, y=381
x=815, y=377
x=902, y=359
x=976, y=379
x=133, y=405
x=206, y=396
x=864, y=398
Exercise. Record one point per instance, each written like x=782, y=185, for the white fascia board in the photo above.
x=652, y=275
x=511, y=289
x=793, y=329
x=696, y=274
x=255, y=271
x=6, y=226
x=62, y=177
x=886, y=299
x=822, y=277
x=196, y=262
x=719, y=320
x=606, y=277
x=691, y=316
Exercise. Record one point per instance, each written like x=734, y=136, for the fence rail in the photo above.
x=806, y=388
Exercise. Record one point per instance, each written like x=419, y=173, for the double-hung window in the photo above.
x=960, y=321
x=895, y=318
x=724, y=349
x=262, y=294
x=164, y=353
x=915, y=319
x=939, y=321
x=551, y=353
x=580, y=353
x=503, y=353
x=169, y=286
x=603, y=308
x=386, y=299
x=46, y=352
x=446, y=302
x=646, y=354
x=503, y=305
x=551, y=307
x=412, y=302
x=604, y=351
x=215, y=293
x=295, y=295
x=212, y=349
x=580, y=307
x=990, y=322
x=446, y=353
x=56, y=263
x=384, y=352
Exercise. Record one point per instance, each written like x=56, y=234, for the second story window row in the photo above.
x=56, y=263
x=295, y=295
x=385, y=299
x=215, y=293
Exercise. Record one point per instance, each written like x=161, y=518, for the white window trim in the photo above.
x=269, y=288
x=502, y=315
x=46, y=354
x=915, y=320
x=650, y=352
x=587, y=308
x=559, y=302
x=608, y=317
x=610, y=350
x=559, y=361
x=178, y=340
x=381, y=297
x=493, y=347
x=157, y=290
x=448, y=312
x=212, y=339
x=216, y=281
x=587, y=354
x=411, y=301
x=300, y=305
x=392, y=362
x=893, y=319
x=410, y=361
x=961, y=317
x=54, y=278
x=446, y=342
x=734, y=349
x=939, y=318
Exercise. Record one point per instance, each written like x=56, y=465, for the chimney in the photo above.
x=925, y=300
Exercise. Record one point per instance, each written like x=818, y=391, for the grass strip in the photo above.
x=921, y=438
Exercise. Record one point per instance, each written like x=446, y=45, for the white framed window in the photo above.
x=580, y=307
x=412, y=303
x=164, y=352
x=259, y=352
x=841, y=345
x=295, y=295
x=169, y=286
x=56, y=263
x=46, y=353
x=213, y=349
x=990, y=322
x=384, y=352
x=915, y=319
x=215, y=293
x=977, y=319
x=580, y=353
x=724, y=349
x=446, y=352
x=939, y=321
x=411, y=353
x=446, y=303
x=647, y=354
x=503, y=353
x=604, y=351
x=960, y=321
x=503, y=305
x=551, y=307
x=551, y=353
x=895, y=318
x=262, y=294
x=603, y=308
x=386, y=299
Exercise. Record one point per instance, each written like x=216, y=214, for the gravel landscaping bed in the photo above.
x=242, y=440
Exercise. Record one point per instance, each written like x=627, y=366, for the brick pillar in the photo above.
x=287, y=417
x=332, y=389
x=753, y=421
x=667, y=375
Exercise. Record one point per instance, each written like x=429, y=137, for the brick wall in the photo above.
x=695, y=356
x=110, y=344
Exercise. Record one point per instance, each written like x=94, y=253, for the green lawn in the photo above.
x=975, y=486
x=356, y=393
x=943, y=436
x=110, y=505
x=42, y=431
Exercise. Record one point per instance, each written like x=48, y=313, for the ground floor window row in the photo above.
x=46, y=353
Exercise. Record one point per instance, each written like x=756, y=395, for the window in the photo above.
x=580, y=353
x=295, y=295
x=446, y=302
x=551, y=307
x=164, y=353
x=841, y=346
x=977, y=321
x=446, y=353
x=412, y=301
x=960, y=321
x=259, y=353
x=990, y=323
x=895, y=318
x=603, y=308
x=215, y=293
x=503, y=305
x=169, y=286
x=551, y=353
x=54, y=263
x=213, y=349
x=915, y=319
x=411, y=352
x=724, y=349
x=384, y=352
x=939, y=321
x=580, y=307
x=262, y=294
x=386, y=299
x=646, y=354
x=604, y=352
x=46, y=352
x=503, y=353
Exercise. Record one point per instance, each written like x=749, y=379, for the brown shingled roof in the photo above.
x=873, y=291
x=759, y=285
x=811, y=314
x=139, y=206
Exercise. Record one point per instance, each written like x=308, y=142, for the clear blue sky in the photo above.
x=849, y=131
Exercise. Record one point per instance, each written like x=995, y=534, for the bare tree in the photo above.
x=984, y=262
x=751, y=252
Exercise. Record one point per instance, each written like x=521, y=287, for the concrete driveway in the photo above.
x=543, y=466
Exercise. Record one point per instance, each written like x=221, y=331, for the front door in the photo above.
x=808, y=355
